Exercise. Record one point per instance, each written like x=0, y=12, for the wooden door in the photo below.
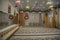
x=22, y=19
x=46, y=20
x=15, y=19
x=53, y=21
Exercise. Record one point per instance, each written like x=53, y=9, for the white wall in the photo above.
x=4, y=16
x=4, y=6
x=33, y=18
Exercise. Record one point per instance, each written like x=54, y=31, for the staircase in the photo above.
x=36, y=33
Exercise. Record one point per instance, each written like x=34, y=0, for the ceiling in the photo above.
x=35, y=4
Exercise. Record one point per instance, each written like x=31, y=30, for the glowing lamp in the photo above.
x=27, y=7
x=17, y=2
x=49, y=3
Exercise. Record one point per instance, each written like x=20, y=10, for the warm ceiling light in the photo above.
x=27, y=7
x=49, y=3
x=17, y=2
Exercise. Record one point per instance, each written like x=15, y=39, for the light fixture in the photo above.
x=49, y=3
x=27, y=7
x=17, y=2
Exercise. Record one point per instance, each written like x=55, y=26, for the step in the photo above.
x=36, y=33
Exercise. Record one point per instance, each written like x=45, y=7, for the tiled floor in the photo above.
x=36, y=33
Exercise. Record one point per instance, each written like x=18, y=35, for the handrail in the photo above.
x=8, y=31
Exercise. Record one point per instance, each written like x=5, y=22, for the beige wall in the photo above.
x=33, y=18
x=4, y=6
x=59, y=17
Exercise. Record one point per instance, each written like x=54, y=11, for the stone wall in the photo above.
x=4, y=19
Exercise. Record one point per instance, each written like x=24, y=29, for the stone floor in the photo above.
x=36, y=33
